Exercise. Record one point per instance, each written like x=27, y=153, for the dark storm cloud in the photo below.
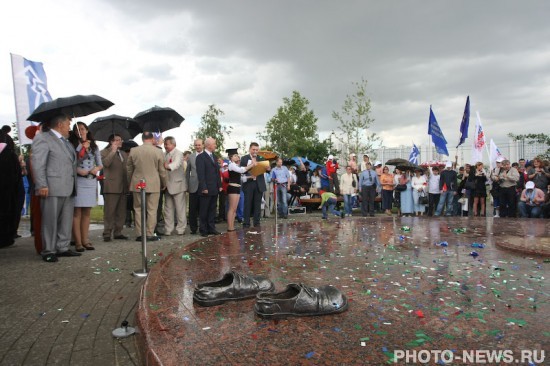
x=412, y=53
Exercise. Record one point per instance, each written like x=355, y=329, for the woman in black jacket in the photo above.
x=478, y=191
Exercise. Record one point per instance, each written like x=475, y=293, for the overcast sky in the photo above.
x=246, y=56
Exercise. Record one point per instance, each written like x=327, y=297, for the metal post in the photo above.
x=275, y=198
x=143, y=272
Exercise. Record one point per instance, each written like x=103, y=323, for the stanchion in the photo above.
x=143, y=272
x=275, y=198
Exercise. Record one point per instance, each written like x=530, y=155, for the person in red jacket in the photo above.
x=332, y=168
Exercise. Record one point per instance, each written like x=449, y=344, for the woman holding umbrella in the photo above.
x=88, y=165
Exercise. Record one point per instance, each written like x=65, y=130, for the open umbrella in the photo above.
x=103, y=127
x=159, y=119
x=312, y=165
x=75, y=106
x=409, y=166
x=398, y=161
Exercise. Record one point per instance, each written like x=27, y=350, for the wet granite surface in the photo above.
x=412, y=284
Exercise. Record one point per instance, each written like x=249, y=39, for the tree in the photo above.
x=211, y=127
x=355, y=121
x=293, y=130
x=540, y=138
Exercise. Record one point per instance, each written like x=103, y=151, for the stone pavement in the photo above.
x=63, y=313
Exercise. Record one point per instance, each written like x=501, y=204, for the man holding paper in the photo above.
x=253, y=185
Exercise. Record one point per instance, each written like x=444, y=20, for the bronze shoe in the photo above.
x=233, y=286
x=301, y=300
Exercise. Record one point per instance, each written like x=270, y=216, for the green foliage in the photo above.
x=212, y=127
x=242, y=147
x=540, y=138
x=354, y=122
x=314, y=150
x=293, y=128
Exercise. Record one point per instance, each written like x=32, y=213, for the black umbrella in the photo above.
x=159, y=119
x=127, y=145
x=103, y=127
x=75, y=106
x=409, y=166
x=398, y=161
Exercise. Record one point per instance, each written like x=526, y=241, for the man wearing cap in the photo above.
x=328, y=203
x=176, y=186
x=531, y=201
x=508, y=178
x=447, y=187
x=281, y=177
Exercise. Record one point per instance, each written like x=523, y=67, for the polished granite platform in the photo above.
x=412, y=283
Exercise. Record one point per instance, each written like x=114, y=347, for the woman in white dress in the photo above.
x=419, y=184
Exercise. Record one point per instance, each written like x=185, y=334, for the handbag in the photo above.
x=422, y=198
x=354, y=183
x=471, y=185
x=401, y=187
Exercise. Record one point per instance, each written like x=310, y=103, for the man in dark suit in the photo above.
x=54, y=171
x=193, y=186
x=253, y=188
x=115, y=187
x=208, y=174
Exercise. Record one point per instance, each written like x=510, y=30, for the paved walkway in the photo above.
x=63, y=313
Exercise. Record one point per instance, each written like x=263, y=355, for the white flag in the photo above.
x=30, y=87
x=478, y=141
x=494, y=154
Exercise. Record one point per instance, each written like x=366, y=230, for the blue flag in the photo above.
x=30, y=87
x=437, y=135
x=465, y=123
x=413, y=156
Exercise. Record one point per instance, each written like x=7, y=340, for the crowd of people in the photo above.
x=517, y=190
x=199, y=189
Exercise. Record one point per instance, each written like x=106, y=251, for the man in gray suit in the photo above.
x=54, y=172
x=193, y=186
x=176, y=186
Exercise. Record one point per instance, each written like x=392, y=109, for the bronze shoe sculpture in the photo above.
x=233, y=286
x=301, y=300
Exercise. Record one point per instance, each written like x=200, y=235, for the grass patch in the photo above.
x=96, y=215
